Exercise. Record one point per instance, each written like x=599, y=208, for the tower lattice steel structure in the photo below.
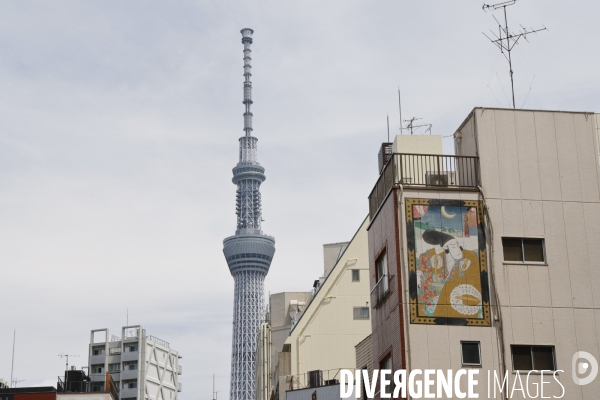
x=249, y=252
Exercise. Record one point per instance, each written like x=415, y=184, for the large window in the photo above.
x=527, y=358
x=382, y=286
x=471, y=353
x=361, y=312
x=97, y=351
x=131, y=347
x=523, y=250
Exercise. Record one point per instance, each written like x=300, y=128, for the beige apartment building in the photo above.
x=488, y=259
x=320, y=327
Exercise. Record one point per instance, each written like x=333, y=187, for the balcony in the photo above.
x=424, y=172
x=314, y=379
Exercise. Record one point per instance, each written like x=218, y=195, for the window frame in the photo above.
x=382, y=253
x=361, y=308
x=357, y=272
x=525, y=262
x=531, y=346
x=381, y=293
x=462, y=361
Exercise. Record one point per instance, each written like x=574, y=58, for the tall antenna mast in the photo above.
x=400, y=109
x=388, y=124
x=505, y=40
x=12, y=366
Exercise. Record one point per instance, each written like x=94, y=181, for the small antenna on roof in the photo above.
x=388, y=122
x=400, y=109
x=506, y=40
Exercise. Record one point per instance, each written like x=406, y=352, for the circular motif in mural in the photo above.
x=465, y=299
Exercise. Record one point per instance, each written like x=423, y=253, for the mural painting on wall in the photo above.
x=448, y=278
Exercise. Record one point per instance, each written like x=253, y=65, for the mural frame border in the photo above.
x=485, y=321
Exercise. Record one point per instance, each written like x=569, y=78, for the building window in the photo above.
x=382, y=286
x=114, y=351
x=355, y=275
x=130, y=366
x=386, y=363
x=97, y=351
x=471, y=353
x=97, y=369
x=524, y=250
x=361, y=312
x=130, y=384
x=528, y=358
x=131, y=348
x=114, y=367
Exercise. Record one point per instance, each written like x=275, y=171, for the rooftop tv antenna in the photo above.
x=62, y=355
x=506, y=40
x=13, y=382
x=411, y=125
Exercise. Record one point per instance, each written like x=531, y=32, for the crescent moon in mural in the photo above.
x=445, y=213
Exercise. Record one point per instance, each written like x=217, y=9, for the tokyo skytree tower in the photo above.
x=249, y=252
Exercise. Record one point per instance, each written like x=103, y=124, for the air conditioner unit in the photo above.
x=315, y=378
x=440, y=179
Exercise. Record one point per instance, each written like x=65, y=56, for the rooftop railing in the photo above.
x=424, y=171
x=314, y=379
x=87, y=386
x=159, y=341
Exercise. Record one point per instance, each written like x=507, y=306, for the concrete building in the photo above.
x=488, y=259
x=142, y=367
x=284, y=310
x=335, y=319
x=28, y=393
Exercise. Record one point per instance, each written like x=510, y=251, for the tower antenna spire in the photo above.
x=506, y=40
x=249, y=252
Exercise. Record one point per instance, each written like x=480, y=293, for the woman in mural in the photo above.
x=449, y=282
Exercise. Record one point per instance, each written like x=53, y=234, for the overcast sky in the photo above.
x=118, y=131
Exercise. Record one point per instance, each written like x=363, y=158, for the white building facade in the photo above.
x=143, y=367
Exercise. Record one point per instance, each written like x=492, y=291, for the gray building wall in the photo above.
x=157, y=369
x=540, y=177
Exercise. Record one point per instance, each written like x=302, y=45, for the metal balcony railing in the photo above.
x=158, y=341
x=314, y=379
x=424, y=171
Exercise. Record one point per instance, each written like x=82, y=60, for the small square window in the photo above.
x=527, y=358
x=471, y=354
x=361, y=312
x=523, y=250
x=355, y=275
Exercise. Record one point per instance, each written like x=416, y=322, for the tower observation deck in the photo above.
x=249, y=252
